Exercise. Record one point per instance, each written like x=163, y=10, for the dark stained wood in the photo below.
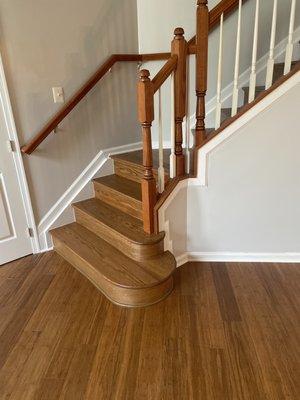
x=22, y=313
x=164, y=73
x=75, y=344
x=227, y=301
x=179, y=48
x=201, y=68
x=146, y=117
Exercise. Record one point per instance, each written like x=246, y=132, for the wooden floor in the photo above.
x=228, y=331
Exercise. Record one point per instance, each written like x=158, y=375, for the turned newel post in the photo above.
x=179, y=48
x=201, y=67
x=146, y=117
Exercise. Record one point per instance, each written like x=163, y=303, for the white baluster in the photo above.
x=290, y=46
x=270, y=66
x=172, y=156
x=235, y=94
x=252, y=84
x=219, y=83
x=187, y=118
x=161, y=170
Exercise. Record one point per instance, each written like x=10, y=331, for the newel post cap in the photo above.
x=201, y=2
x=178, y=33
x=144, y=75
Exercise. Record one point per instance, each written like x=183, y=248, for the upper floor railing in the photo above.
x=177, y=68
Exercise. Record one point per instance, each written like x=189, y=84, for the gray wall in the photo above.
x=252, y=200
x=170, y=14
x=61, y=43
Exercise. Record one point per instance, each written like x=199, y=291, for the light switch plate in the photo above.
x=58, y=95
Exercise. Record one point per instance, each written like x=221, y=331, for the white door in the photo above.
x=15, y=240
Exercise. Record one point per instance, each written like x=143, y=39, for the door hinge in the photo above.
x=11, y=146
x=29, y=232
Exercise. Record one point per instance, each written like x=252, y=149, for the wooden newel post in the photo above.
x=146, y=117
x=201, y=68
x=179, y=48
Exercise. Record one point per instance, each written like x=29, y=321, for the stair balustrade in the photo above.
x=177, y=68
x=155, y=187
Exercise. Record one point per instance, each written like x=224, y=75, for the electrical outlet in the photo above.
x=58, y=95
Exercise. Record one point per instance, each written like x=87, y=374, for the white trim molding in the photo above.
x=204, y=152
x=74, y=189
x=237, y=257
x=17, y=156
x=261, y=66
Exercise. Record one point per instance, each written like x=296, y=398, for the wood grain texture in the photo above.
x=130, y=165
x=201, y=68
x=179, y=49
x=125, y=232
x=75, y=344
x=124, y=281
x=121, y=193
x=145, y=90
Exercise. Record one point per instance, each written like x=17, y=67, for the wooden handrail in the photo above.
x=83, y=91
x=164, y=73
x=225, y=7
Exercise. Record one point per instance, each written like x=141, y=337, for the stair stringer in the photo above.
x=61, y=212
x=232, y=129
x=202, y=179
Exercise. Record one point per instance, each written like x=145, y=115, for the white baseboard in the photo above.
x=237, y=257
x=74, y=189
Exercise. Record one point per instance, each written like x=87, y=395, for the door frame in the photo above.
x=5, y=104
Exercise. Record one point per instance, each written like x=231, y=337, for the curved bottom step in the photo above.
x=123, y=281
x=134, y=298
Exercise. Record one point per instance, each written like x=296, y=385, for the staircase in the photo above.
x=108, y=245
x=116, y=242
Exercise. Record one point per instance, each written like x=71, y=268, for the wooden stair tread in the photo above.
x=124, y=224
x=109, y=263
x=136, y=157
x=123, y=185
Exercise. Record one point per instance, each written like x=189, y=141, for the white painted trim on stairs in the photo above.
x=237, y=257
x=245, y=76
x=202, y=180
x=17, y=156
x=75, y=188
x=204, y=152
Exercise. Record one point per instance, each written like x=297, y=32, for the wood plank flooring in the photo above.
x=228, y=331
